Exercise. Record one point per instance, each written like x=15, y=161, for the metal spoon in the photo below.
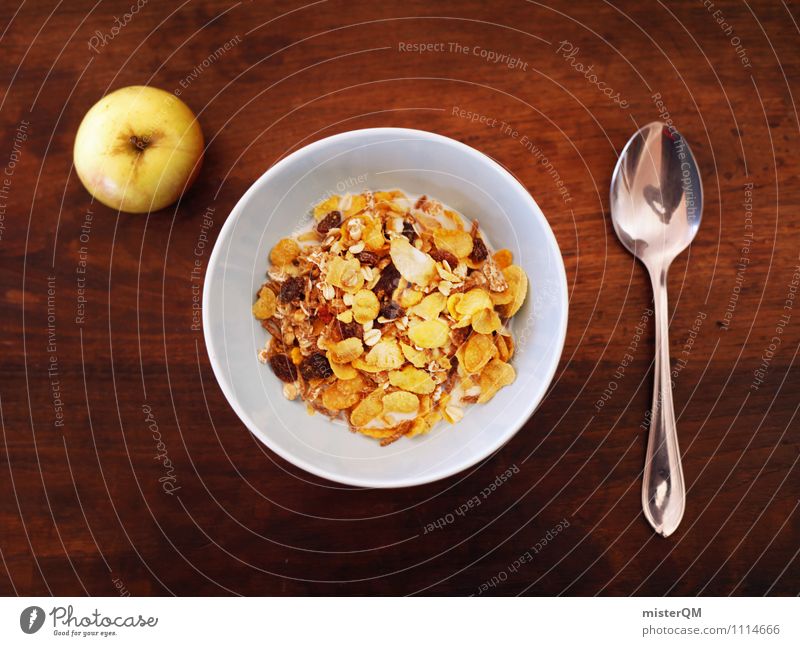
x=656, y=207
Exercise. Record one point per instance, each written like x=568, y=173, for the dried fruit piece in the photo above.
x=330, y=221
x=346, y=351
x=283, y=367
x=504, y=258
x=413, y=380
x=387, y=282
x=266, y=304
x=431, y=306
x=486, y=321
x=326, y=206
x=385, y=355
x=368, y=409
x=477, y=352
x=453, y=241
x=414, y=265
x=408, y=232
x=496, y=375
x=315, y=366
x=400, y=402
x=517, y=287
x=284, y=252
x=365, y=306
x=429, y=334
x=417, y=357
x=390, y=311
x=293, y=289
x=479, y=250
x=368, y=258
x=440, y=255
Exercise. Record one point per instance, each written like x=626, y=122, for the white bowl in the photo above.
x=279, y=203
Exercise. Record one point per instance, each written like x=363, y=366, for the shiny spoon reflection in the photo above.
x=656, y=208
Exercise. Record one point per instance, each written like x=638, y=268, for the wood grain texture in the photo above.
x=81, y=505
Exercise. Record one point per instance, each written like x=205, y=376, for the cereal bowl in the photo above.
x=280, y=203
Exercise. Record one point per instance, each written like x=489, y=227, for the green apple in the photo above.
x=138, y=149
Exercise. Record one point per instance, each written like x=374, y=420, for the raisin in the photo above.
x=293, y=289
x=347, y=330
x=283, y=368
x=324, y=314
x=441, y=256
x=368, y=258
x=315, y=366
x=391, y=310
x=479, y=251
x=387, y=283
x=408, y=232
x=330, y=221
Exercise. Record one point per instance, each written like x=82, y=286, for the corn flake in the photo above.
x=418, y=358
x=365, y=306
x=474, y=301
x=284, y=252
x=386, y=355
x=496, y=375
x=400, y=402
x=458, y=243
x=413, y=380
x=503, y=258
x=486, y=321
x=266, y=304
x=477, y=352
x=429, y=334
x=517, y=287
x=431, y=306
x=368, y=409
x=346, y=351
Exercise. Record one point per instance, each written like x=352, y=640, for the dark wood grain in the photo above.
x=81, y=505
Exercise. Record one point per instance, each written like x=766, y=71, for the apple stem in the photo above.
x=140, y=143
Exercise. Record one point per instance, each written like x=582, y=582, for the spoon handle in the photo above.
x=663, y=493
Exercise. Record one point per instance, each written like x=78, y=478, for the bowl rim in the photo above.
x=218, y=368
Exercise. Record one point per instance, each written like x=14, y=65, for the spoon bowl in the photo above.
x=656, y=195
x=656, y=208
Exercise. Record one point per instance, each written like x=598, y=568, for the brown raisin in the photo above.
x=293, y=289
x=479, y=250
x=387, y=283
x=368, y=258
x=315, y=366
x=283, y=367
x=330, y=221
x=441, y=256
x=347, y=330
x=391, y=310
x=408, y=232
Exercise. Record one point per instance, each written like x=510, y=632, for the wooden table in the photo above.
x=100, y=359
